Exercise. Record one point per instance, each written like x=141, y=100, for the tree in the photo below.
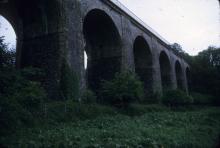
x=206, y=72
x=178, y=50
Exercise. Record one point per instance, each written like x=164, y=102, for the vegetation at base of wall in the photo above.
x=21, y=99
x=164, y=128
x=204, y=75
x=152, y=98
x=176, y=98
x=88, y=97
x=69, y=82
x=29, y=119
x=203, y=99
x=123, y=89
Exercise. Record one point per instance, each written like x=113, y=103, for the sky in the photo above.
x=8, y=32
x=194, y=24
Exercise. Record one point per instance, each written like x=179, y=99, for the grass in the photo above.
x=138, y=126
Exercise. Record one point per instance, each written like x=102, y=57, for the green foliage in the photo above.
x=69, y=82
x=68, y=111
x=198, y=128
x=89, y=97
x=12, y=115
x=7, y=57
x=21, y=100
x=203, y=99
x=205, y=72
x=21, y=95
x=178, y=50
x=122, y=90
x=31, y=97
x=175, y=98
x=152, y=98
x=139, y=109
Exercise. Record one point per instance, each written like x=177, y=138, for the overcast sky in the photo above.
x=194, y=24
x=7, y=31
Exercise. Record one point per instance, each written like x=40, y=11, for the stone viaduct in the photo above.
x=55, y=34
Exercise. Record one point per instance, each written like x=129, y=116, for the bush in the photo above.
x=21, y=95
x=153, y=98
x=202, y=99
x=21, y=99
x=140, y=109
x=175, y=98
x=122, y=90
x=31, y=97
x=88, y=96
x=12, y=115
x=68, y=111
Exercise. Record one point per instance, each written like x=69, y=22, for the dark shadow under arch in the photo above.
x=188, y=79
x=37, y=24
x=165, y=69
x=179, y=75
x=143, y=62
x=103, y=47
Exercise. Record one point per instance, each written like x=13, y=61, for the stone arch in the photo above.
x=179, y=75
x=38, y=28
x=103, y=47
x=143, y=62
x=165, y=70
x=32, y=21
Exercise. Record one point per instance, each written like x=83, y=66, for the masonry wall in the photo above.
x=50, y=36
x=129, y=30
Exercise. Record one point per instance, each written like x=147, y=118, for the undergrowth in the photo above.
x=145, y=126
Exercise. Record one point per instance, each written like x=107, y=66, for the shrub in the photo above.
x=203, y=99
x=140, y=109
x=123, y=89
x=31, y=97
x=21, y=99
x=88, y=96
x=12, y=115
x=67, y=111
x=68, y=82
x=153, y=98
x=175, y=98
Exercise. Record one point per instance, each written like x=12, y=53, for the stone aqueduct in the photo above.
x=53, y=34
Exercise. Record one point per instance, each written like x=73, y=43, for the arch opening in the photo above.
x=165, y=69
x=188, y=79
x=143, y=62
x=103, y=48
x=179, y=75
x=8, y=36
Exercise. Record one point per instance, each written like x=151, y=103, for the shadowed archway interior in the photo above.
x=103, y=48
x=36, y=23
x=179, y=75
x=143, y=62
x=188, y=79
x=165, y=69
